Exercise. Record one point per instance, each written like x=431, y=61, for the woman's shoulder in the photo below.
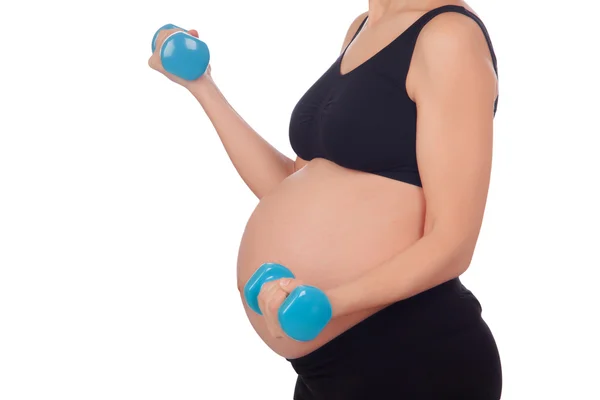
x=354, y=28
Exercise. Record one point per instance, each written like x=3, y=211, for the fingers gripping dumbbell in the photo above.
x=303, y=314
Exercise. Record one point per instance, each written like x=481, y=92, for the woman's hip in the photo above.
x=433, y=344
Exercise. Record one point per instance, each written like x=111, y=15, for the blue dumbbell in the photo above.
x=182, y=54
x=303, y=314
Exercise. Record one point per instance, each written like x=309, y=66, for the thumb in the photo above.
x=193, y=32
x=288, y=285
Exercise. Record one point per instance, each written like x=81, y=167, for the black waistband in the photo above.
x=429, y=312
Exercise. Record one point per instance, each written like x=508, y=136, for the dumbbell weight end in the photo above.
x=182, y=54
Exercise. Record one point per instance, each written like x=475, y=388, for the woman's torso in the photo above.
x=359, y=200
x=328, y=225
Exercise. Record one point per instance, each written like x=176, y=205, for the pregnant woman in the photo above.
x=381, y=209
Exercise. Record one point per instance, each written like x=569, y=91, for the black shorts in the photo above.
x=433, y=346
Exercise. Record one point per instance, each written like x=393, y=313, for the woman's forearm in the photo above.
x=259, y=164
x=432, y=260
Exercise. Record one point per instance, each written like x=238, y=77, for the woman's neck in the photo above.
x=380, y=8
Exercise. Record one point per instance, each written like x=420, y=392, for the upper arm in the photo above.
x=454, y=87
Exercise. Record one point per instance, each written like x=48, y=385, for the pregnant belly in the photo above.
x=328, y=225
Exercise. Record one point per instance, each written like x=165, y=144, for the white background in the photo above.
x=121, y=215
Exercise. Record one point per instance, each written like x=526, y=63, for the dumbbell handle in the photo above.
x=303, y=314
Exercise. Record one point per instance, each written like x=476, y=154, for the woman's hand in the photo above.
x=155, y=63
x=270, y=298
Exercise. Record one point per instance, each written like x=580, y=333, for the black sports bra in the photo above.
x=365, y=120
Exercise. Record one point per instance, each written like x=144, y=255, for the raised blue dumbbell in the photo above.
x=303, y=314
x=182, y=54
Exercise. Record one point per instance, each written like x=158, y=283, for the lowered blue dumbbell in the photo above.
x=182, y=54
x=303, y=314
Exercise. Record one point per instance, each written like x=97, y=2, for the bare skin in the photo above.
x=331, y=225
